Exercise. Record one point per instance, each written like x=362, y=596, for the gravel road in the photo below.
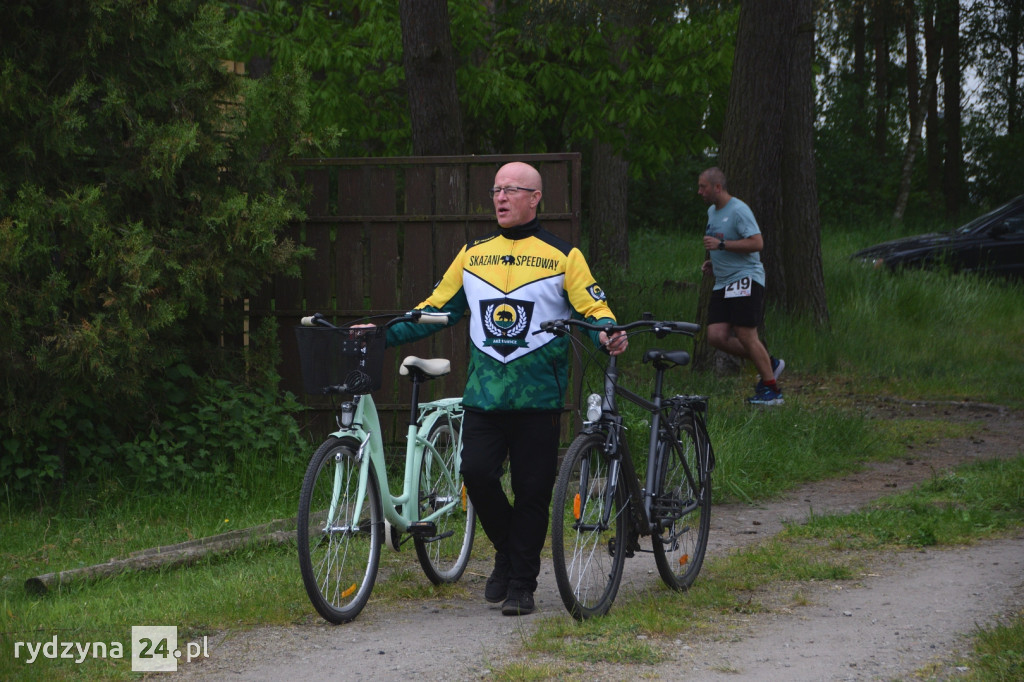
x=915, y=608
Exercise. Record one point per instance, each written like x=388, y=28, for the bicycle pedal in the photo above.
x=631, y=547
x=423, y=530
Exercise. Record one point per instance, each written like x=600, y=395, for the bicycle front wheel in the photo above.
x=588, y=530
x=682, y=508
x=445, y=555
x=339, y=544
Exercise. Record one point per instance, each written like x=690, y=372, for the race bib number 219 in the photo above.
x=740, y=287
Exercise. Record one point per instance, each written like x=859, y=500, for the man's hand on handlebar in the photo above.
x=616, y=343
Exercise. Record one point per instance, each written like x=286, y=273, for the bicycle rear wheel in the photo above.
x=682, y=508
x=339, y=545
x=444, y=556
x=588, y=530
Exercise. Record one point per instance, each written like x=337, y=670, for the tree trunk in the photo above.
x=953, y=168
x=281, y=531
x=880, y=37
x=913, y=63
x=609, y=238
x=767, y=149
x=1014, y=12
x=913, y=142
x=799, y=233
x=933, y=131
x=915, y=109
x=859, y=39
x=428, y=58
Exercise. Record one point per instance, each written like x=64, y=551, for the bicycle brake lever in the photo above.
x=556, y=327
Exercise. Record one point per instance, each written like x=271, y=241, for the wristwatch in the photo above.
x=721, y=245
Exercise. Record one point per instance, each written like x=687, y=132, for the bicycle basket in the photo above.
x=332, y=357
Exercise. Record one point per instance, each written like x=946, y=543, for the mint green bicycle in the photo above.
x=346, y=509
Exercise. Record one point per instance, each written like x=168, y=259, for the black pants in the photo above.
x=529, y=441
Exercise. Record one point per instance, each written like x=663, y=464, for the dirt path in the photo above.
x=914, y=609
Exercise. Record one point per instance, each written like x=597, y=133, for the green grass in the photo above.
x=973, y=503
x=911, y=336
x=953, y=508
x=998, y=653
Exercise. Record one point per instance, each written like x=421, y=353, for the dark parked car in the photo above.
x=993, y=243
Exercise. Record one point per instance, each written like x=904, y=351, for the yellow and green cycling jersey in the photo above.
x=509, y=282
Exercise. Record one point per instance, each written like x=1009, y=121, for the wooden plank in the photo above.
x=380, y=186
x=317, y=271
x=481, y=179
x=556, y=188
x=418, y=274
x=349, y=256
x=478, y=228
x=290, y=368
x=351, y=192
x=560, y=228
x=450, y=189
x=384, y=273
x=419, y=191
x=318, y=180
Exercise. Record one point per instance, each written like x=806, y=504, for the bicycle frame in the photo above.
x=602, y=508
x=610, y=423
x=347, y=511
x=366, y=429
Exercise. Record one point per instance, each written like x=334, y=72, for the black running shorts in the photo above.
x=742, y=311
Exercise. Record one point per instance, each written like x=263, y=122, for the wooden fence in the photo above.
x=385, y=230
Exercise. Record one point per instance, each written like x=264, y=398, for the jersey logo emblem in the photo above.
x=596, y=292
x=506, y=323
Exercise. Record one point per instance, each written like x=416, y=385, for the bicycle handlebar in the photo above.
x=417, y=316
x=659, y=327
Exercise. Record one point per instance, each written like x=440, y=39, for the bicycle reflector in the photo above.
x=348, y=412
x=593, y=407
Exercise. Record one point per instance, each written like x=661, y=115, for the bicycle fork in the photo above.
x=617, y=460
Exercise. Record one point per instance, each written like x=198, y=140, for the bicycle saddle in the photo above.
x=673, y=357
x=432, y=368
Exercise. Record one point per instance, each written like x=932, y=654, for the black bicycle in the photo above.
x=601, y=508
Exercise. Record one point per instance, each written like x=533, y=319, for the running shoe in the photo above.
x=766, y=396
x=778, y=365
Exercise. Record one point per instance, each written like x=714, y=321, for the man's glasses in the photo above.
x=509, y=191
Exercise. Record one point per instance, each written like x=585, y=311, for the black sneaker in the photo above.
x=496, y=590
x=519, y=603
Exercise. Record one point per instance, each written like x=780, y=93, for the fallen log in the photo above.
x=276, y=532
